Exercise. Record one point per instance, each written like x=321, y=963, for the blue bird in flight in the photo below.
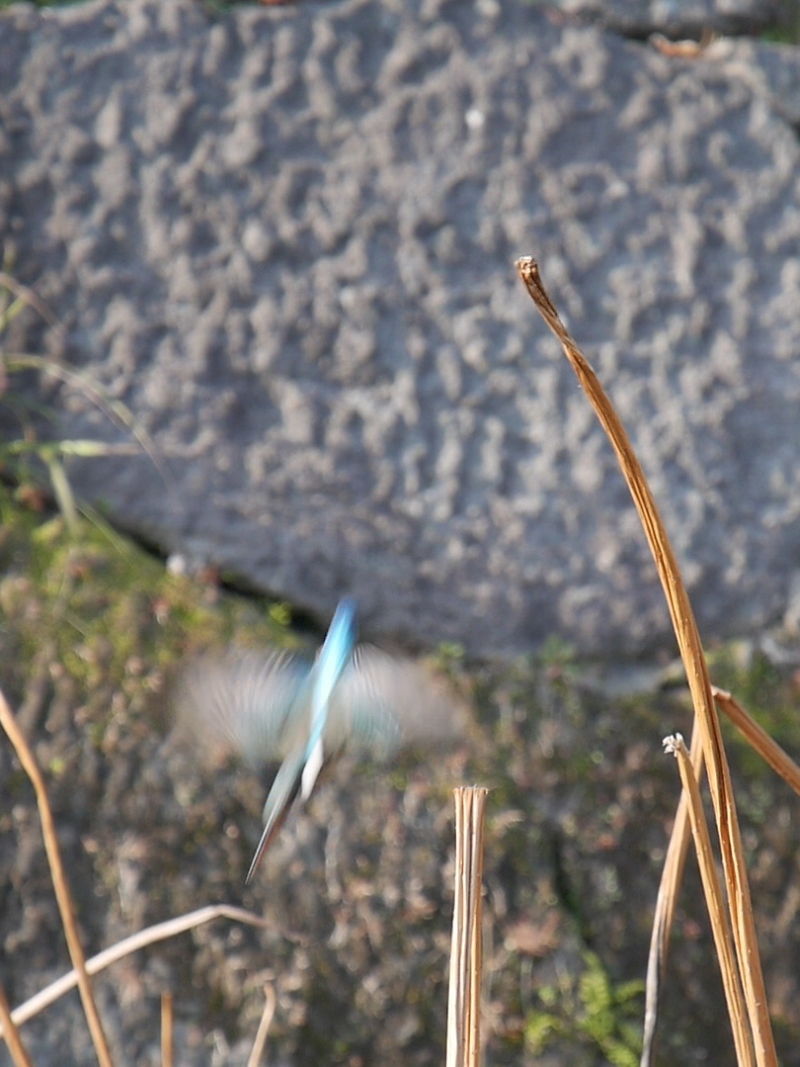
x=274, y=705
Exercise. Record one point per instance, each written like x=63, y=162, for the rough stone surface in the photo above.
x=676, y=18
x=284, y=238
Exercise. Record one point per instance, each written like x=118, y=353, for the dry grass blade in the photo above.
x=769, y=750
x=27, y=296
x=715, y=901
x=466, y=964
x=114, y=410
x=19, y=1054
x=160, y=932
x=691, y=650
x=60, y=886
x=267, y=1016
x=166, y=1030
x=63, y=492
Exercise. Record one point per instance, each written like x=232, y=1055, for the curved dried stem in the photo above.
x=267, y=1016
x=687, y=634
x=159, y=932
x=60, y=886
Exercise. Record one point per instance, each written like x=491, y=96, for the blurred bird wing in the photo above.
x=284, y=790
x=382, y=702
x=247, y=701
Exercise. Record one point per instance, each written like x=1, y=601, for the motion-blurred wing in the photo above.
x=246, y=701
x=382, y=703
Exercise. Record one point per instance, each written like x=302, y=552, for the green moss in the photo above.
x=107, y=614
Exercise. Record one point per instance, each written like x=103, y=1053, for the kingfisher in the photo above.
x=277, y=706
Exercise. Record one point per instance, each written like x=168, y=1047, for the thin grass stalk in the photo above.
x=466, y=962
x=769, y=749
x=167, y=1049
x=63, y=492
x=666, y=902
x=691, y=650
x=26, y=296
x=60, y=886
x=715, y=902
x=150, y=936
x=270, y=1003
x=16, y=1046
x=114, y=410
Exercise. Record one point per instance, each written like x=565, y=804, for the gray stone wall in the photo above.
x=285, y=238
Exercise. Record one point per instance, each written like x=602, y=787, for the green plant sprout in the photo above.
x=592, y=1009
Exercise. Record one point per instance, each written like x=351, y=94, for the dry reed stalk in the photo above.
x=466, y=963
x=769, y=750
x=166, y=1030
x=60, y=886
x=19, y=1054
x=715, y=901
x=270, y=1003
x=666, y=902
x=152, y=934
x=687, y=634
x=780, y=762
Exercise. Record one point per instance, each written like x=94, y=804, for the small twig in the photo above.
x=60, y=885
x=267, y=1016
x=466, y=963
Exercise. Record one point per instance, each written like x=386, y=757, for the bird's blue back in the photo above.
x=333, y=657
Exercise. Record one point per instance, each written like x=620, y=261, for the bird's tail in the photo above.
x=284, y=789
